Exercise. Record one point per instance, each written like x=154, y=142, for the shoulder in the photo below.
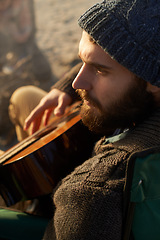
x=97, y=174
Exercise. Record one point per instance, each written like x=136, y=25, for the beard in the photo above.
x=132, y=108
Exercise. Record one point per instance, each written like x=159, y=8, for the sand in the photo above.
x=58, y=33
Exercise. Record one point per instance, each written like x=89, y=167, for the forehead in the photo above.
x=89, y=47
x=90, y=52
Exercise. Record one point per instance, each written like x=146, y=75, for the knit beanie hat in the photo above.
x=129, y=31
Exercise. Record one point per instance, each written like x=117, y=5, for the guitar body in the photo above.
x=37, y=173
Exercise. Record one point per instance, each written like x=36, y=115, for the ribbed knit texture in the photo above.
x=89, y=201
x=129, y=30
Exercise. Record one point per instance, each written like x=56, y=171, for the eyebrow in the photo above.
x=97, y=65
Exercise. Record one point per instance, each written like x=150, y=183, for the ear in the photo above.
x=155, y=91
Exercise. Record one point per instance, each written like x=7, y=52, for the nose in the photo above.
x=82, y=80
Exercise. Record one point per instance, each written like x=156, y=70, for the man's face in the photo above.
x=112, y=96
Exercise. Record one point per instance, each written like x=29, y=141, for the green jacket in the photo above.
x=142, y=196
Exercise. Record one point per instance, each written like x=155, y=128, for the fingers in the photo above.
x=35, y=125
x=56, y=101
x=63, y=101
x=48, y=113
x=60, y=109
x=35, y=117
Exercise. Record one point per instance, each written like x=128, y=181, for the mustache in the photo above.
x=84, y=95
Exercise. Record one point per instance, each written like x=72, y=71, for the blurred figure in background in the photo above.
x=21, y=60
x=17, y=37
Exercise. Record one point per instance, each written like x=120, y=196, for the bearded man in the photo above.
x=119, y=86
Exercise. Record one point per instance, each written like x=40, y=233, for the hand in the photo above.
x=55, y=101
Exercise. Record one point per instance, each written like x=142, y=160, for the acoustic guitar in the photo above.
x=34, y=166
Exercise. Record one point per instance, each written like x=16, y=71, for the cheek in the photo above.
x=111, y=88
x=110, y=92
x=105, y=93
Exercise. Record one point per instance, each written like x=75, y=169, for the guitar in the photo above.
x=34, y=166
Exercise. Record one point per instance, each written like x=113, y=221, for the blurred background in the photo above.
x=38, y=45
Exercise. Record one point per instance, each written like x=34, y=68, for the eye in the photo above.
x=101, y=71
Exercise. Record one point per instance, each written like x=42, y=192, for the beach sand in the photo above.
x=58, y=33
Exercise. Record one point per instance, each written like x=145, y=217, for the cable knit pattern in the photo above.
x=89, y=200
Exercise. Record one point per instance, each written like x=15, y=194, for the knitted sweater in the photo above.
x=88, y=202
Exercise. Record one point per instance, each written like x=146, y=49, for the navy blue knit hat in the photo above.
x=129, y=30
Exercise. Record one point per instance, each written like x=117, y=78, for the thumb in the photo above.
x=60, y=109
x=63, y=101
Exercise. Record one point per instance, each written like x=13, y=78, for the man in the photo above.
x=119, y=86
